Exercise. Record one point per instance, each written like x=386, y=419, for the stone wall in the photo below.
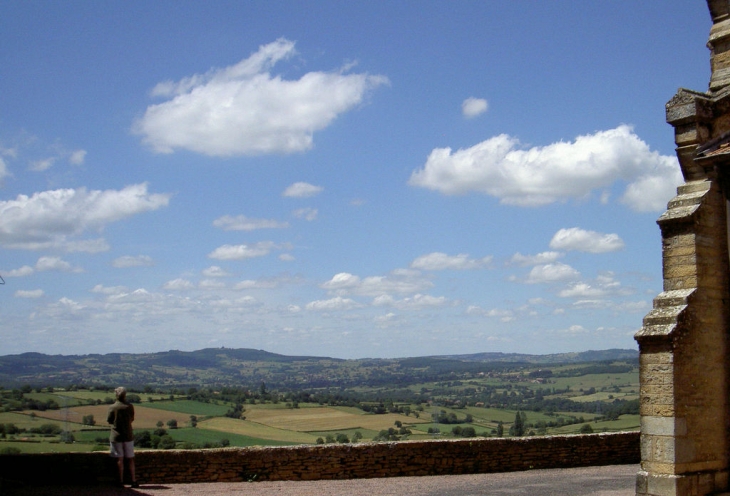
x=685, y=339
x=342, y=461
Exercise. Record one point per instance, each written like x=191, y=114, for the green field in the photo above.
x=273, y=425
x=368, y=400
x=190, y=407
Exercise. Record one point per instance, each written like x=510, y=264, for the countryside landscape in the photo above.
x=241, y=397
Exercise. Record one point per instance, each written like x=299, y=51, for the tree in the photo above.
x=88, y=420
x=356, y=436
x=342, y=438
x=172, y=424
x=586, y=429
x=518, y=427
x=500, y=429
x=193, y=421
x=143, y=439
x=166, y=442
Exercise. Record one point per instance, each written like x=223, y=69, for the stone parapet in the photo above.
x=341, y=461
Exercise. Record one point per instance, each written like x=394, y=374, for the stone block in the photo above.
x=663, y=426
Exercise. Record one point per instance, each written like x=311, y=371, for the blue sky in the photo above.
x=349, y=179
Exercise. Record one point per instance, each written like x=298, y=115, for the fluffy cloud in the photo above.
x=42, y=164
x=109, y=290
x=302, y=190
x=307, y=213
x=49, y=218
x=31, y=294
x=243, y=252
x=336, y=303
x=25, y=270
x=244, y=110
x=178, y=285
x=77, y=157
x=243, y=223
x=416, y=302
x=553, y=272
x=3, y=169
x=576, y=239
x=130, y=261
x=209, y=284
x=472, y=107
x=539, y=259
x=542, y=175
x=399, y=281
x=215, y=271
x=259, y=284
x=605, y=285
x=56, y=264
x=501, y=314
x=442, y=261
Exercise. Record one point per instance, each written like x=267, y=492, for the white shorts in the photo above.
x=119, y=450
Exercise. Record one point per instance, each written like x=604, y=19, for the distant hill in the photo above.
x=576, y=357
x=221, y=367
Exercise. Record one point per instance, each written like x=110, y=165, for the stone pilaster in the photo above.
x=684, y=363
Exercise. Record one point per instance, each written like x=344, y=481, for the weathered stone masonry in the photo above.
x=684, y=361
x=342, y=461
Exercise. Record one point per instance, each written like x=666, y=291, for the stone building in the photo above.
x=685, y=418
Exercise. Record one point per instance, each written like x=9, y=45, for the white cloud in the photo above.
x=3, y=169
x=211, y=284
x=242, y=252
x=49, y=218
x=583, y=290
x=178, y=285
x=31, y=294
x=77, y=157
x=215, y=271
x=243, y=223
x=576, y=239
x=132, y=261
x=501, y=314
x=42, y=164
x=539, y=259
x=24, y=271
x=557, y=172
x=306, y=213
x=302, y=190
x=336, y=303
x=55, y=264
x=553, y=272
x=574, y=329
x=244, y=110
x=472, y=107
x=70, y=305
x=416, y=302
x=109, y=290
x=259, y=284
x=442, y=261
x=398, y=281
x=604, y=286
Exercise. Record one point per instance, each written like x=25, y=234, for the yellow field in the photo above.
x=253, y=429
x=144, y=418
x=324, y=419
